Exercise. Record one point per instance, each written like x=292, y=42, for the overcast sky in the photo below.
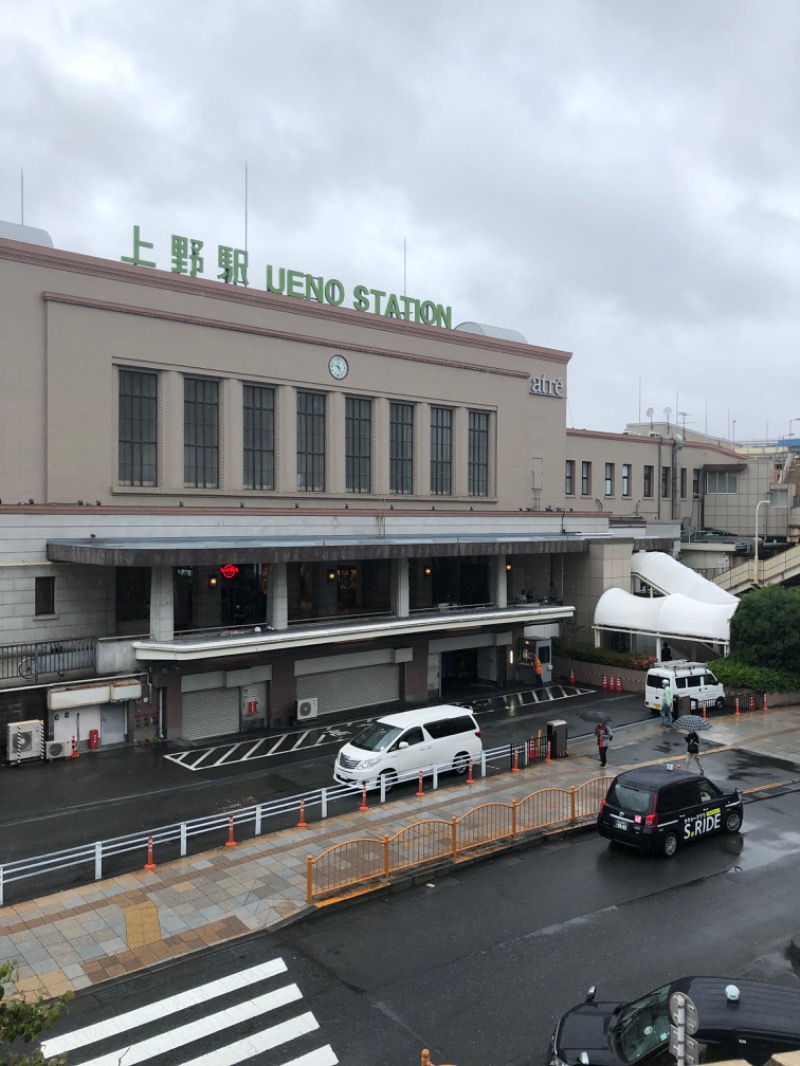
x=615, y=178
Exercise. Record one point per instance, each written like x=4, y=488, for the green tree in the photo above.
x=765, y=630
x=24, y=1020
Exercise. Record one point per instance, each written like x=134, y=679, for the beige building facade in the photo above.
x=261, y=508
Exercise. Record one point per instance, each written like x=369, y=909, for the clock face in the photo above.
x=337, y=364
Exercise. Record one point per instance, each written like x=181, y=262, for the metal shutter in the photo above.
x=344, y=690
x=211, y=713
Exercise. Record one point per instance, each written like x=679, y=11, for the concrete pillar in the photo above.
x=400, y=588
x=278, y=597
x=162, y=604
x=498, y=575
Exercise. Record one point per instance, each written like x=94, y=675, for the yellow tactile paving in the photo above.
x=142, y=925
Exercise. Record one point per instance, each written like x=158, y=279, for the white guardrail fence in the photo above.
x=174, y=839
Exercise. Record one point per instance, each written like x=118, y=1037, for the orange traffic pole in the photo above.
x=515, y=767
x=75, y=753
x=149, y=865
x=302, y=824
x=737, y=712
x=705, y=711
x=364, y=806
x=230, y=842
x=420, y=790
x=469, y=774
x=752, y=701
x=549, y=749
x=765, y=708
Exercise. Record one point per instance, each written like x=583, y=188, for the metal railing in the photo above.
x=357, y=863
x=35, y=658
x=114, y=856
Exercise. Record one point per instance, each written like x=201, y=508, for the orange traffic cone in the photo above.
x=752, y=701
x=619, y=684
x=149, y=865
x=302, y=824
x=605, y=683
x=572, y=677
x=230, y=842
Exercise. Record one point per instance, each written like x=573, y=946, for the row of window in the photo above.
x=138, y=439
x=716, y=481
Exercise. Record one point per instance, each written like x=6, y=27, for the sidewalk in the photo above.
x=87, y=935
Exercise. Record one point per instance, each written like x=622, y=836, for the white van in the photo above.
x=686, y=679
x=400, y=745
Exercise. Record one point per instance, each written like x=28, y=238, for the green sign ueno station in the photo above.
x=234, y=266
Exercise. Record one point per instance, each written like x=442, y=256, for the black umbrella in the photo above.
x=689, y=722
x=596, y=716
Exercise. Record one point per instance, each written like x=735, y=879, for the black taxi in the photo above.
x=658, y=809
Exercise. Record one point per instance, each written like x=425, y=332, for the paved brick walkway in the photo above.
x=86, y=935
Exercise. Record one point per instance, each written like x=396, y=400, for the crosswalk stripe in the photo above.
x=259, y=1042
x=323, y=1056
x=211, y=1025
x=90, y=1034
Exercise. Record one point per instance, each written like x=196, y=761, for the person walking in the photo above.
x=604, y=735
x=537, y=669
x=666, y=703
x=693, y=751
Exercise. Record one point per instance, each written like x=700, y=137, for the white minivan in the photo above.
x=398, y=746
x=686, y=679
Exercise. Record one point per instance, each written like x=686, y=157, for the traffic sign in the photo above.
x=691, y=1049
x=678, y=1000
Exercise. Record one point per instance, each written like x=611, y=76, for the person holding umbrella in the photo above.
x=693, y=751
x=604, y=736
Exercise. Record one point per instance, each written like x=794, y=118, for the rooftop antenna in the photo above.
x=684, y=415
x=245, y=208
x=21, y=196
x=404, y=266
x=650, y=413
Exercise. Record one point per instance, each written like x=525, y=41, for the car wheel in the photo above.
x=720, y=704
x=461, y=762
x=389, y=778
x=733, y=822
x=669, y=845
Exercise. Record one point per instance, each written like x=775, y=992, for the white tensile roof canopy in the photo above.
x=689, y=607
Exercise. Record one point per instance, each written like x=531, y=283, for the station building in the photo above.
x=226, y=509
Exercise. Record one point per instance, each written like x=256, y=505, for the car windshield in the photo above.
x=642, y=1025
x=629, y=798
x=376, y=737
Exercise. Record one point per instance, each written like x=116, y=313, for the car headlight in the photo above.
x=366, y=763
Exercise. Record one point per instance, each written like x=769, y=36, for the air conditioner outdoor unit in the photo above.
x=24, y=741
x=57, y=749
x=307, y=709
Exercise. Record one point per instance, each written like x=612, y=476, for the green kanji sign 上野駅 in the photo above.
x=233, y=264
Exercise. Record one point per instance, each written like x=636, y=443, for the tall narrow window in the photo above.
x=586, y=478
x=358, y=444
x=647, y=489
x=683, y=482
x=259, y=437
x=478, y=459
x=696, y=483
x=569, y=477
x=311, y=441
x=441, y=451
x=45, y=595
x=665, y=472
x=609, y=479
x=401, y=448
x=201, y=433
x=626, y=479
x=138, y=421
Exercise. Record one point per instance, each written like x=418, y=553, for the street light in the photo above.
x=755, y=550
x=791, y=423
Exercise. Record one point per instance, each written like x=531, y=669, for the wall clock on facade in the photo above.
x=337, y=364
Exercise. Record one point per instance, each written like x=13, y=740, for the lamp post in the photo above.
x=791, y=423
x=755, y=547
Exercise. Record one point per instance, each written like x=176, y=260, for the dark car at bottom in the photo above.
x=657, y=809
x=736, y=1020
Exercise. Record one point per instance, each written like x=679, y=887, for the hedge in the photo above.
x=735, y=674
x=587, y=653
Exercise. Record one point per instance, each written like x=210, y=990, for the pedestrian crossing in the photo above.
x=255, y=1015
